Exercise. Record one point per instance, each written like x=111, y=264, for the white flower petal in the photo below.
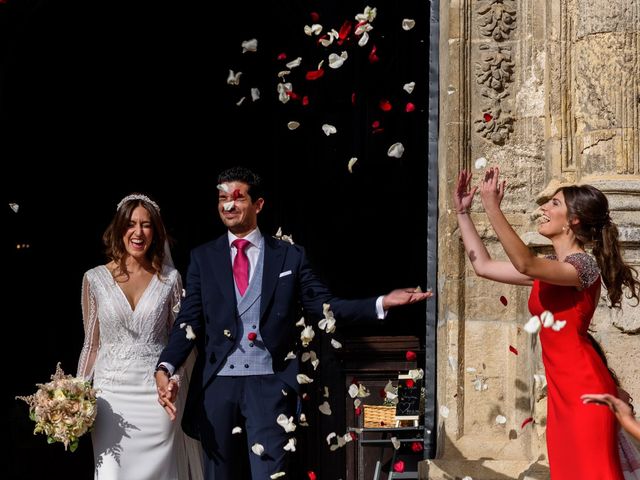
x=286, y=423
x=328, y=129
x=481, y=163
x=330, y=436
x=302, y=379
x=326, y=392
x=176, y=308
x=189, y=333
x=352, y=162
x=353, y=390
x=533, y=325
x=357, y=402
x=416, y=374
x=315, y=363
x=290, y=356
x=396, y=150
x=257, y=449
x=227, y=333
x=408, y=24
x=294, y=63
x=547, y=319
x=277, y=475
x=293, y=125
x=223, y=187
x=233, y=78
x=291, y=445
x=236, y=430
x=306, y=336
x=283, y=73
x=395, y=442
x=15, y=207
x=284, y=392
x=335, y=344
x=336, y=61
x=444, y=411
x=241, y=101
x=501, y=419
x=250, y=45
x=325, y=408
x=300, y=323
x=364, y=39
x=255, y=94
x=228, y=205
x=558, y=325
x=408, y=87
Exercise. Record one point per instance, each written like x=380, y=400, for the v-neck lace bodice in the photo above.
x=116, y=335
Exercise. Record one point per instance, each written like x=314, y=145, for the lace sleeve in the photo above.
x=587, y=268
x=91, y=331
x=174, y=309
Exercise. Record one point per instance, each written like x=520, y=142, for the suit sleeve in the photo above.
x=314, y=293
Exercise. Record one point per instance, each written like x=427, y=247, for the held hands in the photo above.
x=463, y=195
x=167, y=393
x=491, y=189
x=404, y=296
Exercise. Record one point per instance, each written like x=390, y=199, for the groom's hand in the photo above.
x=404, y=296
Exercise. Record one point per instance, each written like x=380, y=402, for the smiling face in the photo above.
x=138, y=236
x=554, y=216
x=237, y=210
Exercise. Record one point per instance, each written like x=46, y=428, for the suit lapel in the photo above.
x=221, y=266
x=273, y=260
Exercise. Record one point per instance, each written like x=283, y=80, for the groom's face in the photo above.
x=238, y=211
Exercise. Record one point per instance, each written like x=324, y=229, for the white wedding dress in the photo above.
x=133, y=437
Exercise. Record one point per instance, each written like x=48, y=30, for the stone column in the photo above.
x=549, y=92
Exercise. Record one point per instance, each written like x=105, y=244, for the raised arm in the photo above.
x=522, y=258
x=481, y=261
x=91, y=331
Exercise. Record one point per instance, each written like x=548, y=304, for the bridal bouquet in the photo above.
x=64, y=408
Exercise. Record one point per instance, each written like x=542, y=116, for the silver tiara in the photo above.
x=138, y=196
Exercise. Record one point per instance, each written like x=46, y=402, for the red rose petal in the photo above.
x=373, y=57
x=236, y=194
x=282, y=56
x=344, y=32
x=409, y=382
x=315, y=16
x=354, y=381
x=385, y=105
x=353, y=98
x=410, y=107
x=312, y=475
x=305, y=101
x=358, y=411
x=252, y=336
x=375, y=124
x=314, y=74
x=382, y=393
x=410, y=356
x=526, y=422
x=398, y=466
x=503, y=300
x=417, y=447
x=487, y=117
x=353, y=436
x=513, y=349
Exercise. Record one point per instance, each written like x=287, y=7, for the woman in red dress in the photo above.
x=581, y=439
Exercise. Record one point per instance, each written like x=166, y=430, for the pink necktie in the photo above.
x=241, y=264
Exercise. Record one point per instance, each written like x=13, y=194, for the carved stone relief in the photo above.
x=494, y=73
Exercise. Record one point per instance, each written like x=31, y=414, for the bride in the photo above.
x=128, y=307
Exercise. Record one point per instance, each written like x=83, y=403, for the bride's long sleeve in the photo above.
x=91, y=331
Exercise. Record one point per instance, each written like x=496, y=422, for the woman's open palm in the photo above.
x=463, y=194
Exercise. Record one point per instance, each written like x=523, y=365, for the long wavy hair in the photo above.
x=113, y=235
x=591, y=207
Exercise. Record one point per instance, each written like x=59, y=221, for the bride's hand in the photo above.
x=462, y=195
x=492, y=189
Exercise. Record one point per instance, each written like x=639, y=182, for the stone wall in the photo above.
x=550, y=92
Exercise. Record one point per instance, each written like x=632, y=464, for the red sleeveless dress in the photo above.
x=581, y=439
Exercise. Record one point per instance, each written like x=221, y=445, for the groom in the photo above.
x=244, y=291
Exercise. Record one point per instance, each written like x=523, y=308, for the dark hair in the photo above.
x=600, y=351
x=112, y=237
x=244, y=175
x=591, y=207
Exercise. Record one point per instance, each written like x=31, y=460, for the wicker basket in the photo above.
x=379, y=416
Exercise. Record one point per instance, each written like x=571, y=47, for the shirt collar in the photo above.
x=254, y=237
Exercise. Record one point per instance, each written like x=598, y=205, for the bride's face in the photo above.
x=138, y=237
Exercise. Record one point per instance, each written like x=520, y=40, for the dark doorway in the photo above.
x=137, y=95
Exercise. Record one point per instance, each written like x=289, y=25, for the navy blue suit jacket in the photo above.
x=210, y=308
